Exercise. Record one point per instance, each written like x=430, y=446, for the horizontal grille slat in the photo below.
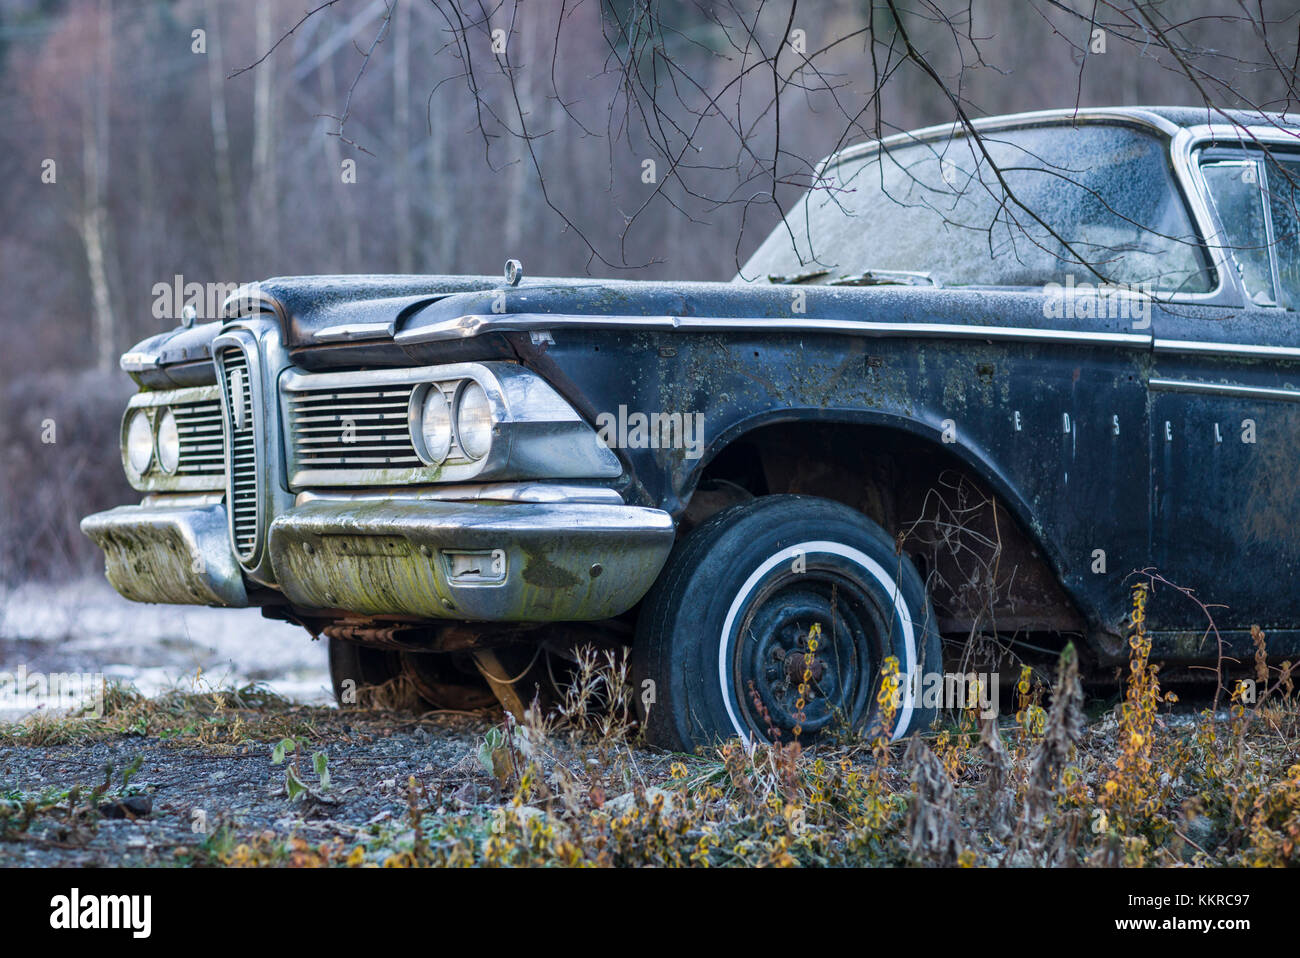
x=363, y=462
x=359, y=442
x=350, y=395
x=369, y=430
x=357, y=417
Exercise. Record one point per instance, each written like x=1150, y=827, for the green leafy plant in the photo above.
x=494, y=755
x=294, y=786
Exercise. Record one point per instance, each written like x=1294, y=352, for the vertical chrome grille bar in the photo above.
x=240, y=431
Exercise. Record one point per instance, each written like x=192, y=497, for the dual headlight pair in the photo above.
x=153, y=438
x=440, y=420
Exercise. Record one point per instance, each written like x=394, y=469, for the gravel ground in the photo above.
x=196, y=789
x=198, y=781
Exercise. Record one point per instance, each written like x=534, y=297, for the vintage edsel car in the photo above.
x=973, y=387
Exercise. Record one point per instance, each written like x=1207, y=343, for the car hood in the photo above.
x=320, y=311
x=317, y=310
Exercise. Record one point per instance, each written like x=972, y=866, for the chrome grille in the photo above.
x=199, y=425
x=360, y=427
x=241, y=438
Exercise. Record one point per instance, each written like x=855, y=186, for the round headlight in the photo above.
x=435, y=426
x=473, y=420
x=139, y=442
x=169, y=442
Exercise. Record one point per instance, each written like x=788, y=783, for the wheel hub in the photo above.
x=785, y=682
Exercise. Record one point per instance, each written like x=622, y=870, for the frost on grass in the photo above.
x=573, y=785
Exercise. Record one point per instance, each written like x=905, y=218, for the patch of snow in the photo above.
x=86, y=627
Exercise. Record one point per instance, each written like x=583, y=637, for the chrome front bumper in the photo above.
x=376, y=555
x=177, y=553
x=493, y=561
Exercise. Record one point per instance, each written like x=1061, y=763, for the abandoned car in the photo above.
x=975, y=385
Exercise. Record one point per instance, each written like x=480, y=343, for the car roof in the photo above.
x=1163, y=120
x=1189, y=116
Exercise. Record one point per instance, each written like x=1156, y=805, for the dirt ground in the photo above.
x=198, y=790
x=203, y=782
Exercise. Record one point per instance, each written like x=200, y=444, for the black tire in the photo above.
x=738, y=575
x=354, y=667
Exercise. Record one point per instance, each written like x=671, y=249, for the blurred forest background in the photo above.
x=136, y=147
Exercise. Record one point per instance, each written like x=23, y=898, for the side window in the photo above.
x=1282, y=182
x=1237, y=197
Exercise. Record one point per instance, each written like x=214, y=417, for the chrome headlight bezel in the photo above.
x=137, y=442
x=167, y=441
x=475, y=437
x=430, y=409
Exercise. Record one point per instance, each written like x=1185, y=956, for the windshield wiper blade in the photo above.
x=886, y=277
x=793, y=278
x=871, y=277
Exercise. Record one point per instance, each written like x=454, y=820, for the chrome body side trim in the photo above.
x=1224, y=389
x=352, y=332
x=1245, y=350
x=137, y=361
x=476, y=324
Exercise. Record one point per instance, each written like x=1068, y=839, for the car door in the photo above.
x=1225, y=413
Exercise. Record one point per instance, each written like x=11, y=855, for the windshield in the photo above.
x=1093, y=202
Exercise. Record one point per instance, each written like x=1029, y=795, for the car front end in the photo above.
x=467, y=490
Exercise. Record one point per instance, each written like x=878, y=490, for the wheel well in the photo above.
x=985, y=572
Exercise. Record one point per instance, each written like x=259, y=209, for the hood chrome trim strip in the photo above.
x=476, y=324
